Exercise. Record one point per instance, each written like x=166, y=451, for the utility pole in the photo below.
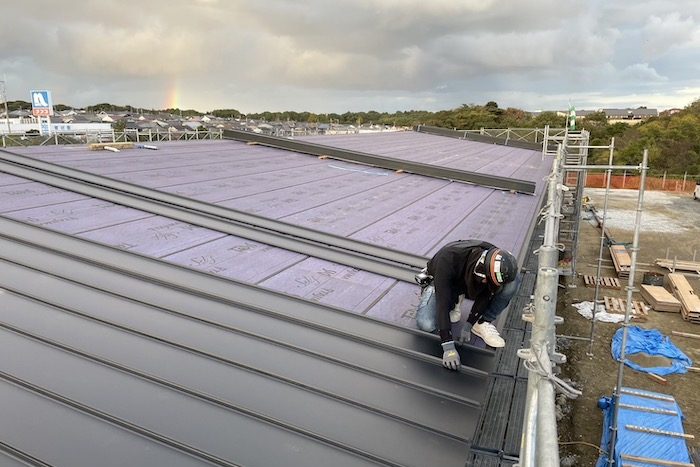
x=4, y=99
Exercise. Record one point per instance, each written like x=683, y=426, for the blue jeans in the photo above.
x=426, y=314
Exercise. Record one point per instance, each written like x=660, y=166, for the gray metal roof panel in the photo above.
x=10, y=457
x=188, y=421
x=97, y=265
x=233, y=380
x=60, y=435
x=294, y=347
x=100, y=339
x=238, y=413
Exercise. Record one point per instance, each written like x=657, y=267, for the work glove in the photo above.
x=450, y=357
x=423, y=278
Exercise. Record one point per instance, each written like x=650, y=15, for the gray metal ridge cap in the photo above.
x=375, y=332
x=418, y=168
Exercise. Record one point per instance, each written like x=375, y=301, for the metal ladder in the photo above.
x=574, y=152
x=552, y=137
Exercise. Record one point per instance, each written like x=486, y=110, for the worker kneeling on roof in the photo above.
x=473, y=269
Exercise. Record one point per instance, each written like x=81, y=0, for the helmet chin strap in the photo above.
x=495, y=268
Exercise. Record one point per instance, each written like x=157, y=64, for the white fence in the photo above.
x=84, y=137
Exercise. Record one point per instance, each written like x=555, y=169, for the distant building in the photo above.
x=26, y=124
x=191, y=125
x=628, y=116
x=105, y=118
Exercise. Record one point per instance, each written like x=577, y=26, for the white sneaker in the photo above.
x=489, y=334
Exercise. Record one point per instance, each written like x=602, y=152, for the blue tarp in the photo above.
x=635, y=443
x=653, y=343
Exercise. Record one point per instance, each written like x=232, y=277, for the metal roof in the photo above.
x=169, y=343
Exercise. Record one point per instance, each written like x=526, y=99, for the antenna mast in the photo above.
x=4, y=99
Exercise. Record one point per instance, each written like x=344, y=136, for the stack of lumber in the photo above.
x=619, y=305
x=660, y=299
x=120, y=145
x=690, y=303
x=672, y=264
x=605, y=282
x=621, y=259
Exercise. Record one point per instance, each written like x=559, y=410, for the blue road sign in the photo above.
x=41, y=103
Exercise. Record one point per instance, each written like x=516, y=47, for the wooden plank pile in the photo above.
x=619, y=305
x=660, y=299
x=621, y=259
x=671, y=264
x=115, y=145
x=605, y=282
x=690, y=303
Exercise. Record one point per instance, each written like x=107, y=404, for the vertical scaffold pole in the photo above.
x=539, y=446
x=628, y=311
x=596, y=297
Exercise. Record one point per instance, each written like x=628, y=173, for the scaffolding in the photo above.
x=528, y=135
x=628, y=311
x=539, y=446
x=539, y=441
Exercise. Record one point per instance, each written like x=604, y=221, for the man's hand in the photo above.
x=450, y=357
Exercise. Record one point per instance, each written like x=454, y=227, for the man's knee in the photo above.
x=426, y=324
x=510, y=289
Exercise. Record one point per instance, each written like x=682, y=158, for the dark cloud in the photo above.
x=354, y=55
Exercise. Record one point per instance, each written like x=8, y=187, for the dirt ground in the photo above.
x=669, y=221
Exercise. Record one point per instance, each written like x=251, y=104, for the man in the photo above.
x=476, y=270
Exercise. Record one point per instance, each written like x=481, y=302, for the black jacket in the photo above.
x=452, y=269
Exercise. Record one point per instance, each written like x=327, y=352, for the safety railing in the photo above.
x=539, y=443
x=113, y=136
x=530, y=135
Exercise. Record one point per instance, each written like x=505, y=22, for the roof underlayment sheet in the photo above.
x=177, y=369
x=383, y=161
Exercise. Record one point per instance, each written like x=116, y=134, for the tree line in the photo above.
x=466, y=117
x=673, y=140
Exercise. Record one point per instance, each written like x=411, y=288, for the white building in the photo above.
x=22, y=125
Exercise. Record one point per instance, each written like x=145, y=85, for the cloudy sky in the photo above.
x=352, y=55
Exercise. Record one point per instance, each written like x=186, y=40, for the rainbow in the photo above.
x=172, y=99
